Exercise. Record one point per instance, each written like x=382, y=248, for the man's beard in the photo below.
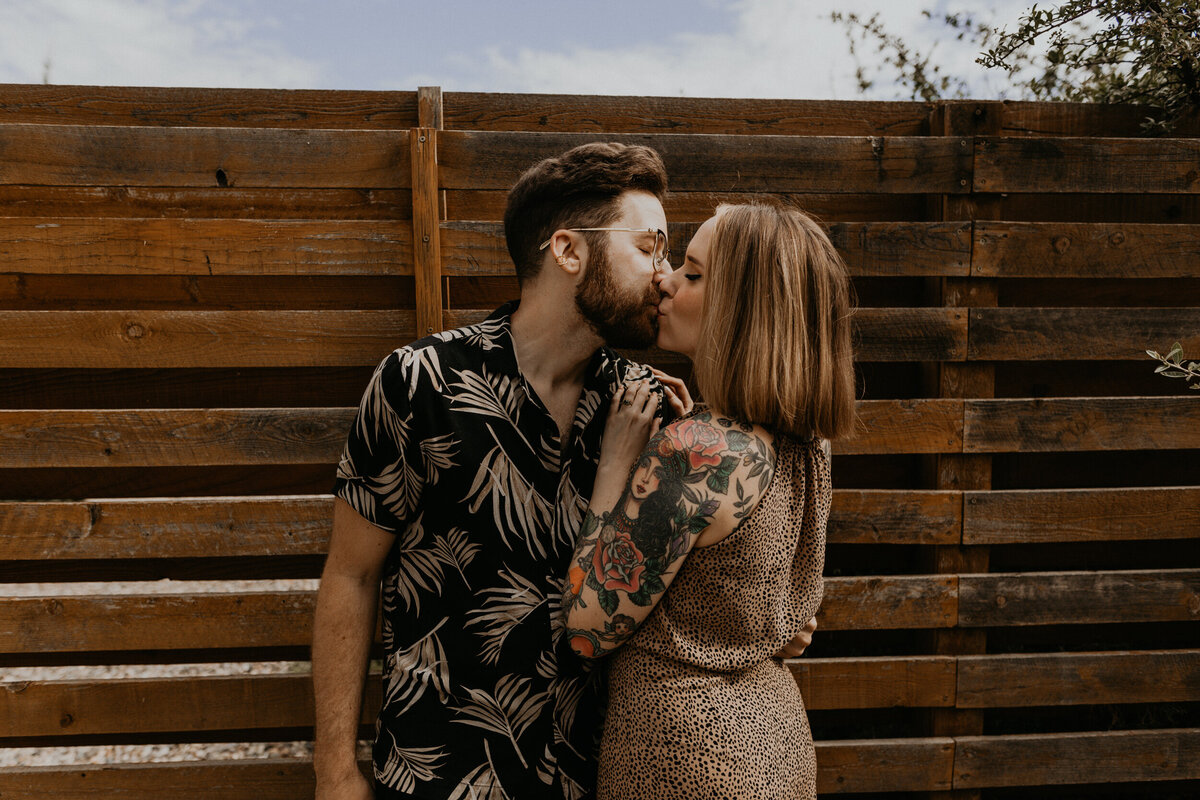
x=621, y=320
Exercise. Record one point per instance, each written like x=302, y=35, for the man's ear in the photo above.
x=569, y=251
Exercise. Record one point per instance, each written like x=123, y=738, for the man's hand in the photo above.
x=675, y=392
x=352, y=786
x=797, y=646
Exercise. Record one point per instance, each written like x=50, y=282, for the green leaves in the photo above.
x=1172, y=365
x=609, y=601
x=718, y=476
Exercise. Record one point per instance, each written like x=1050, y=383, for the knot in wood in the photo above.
x=1194, y=604
x=1001, y=601
x=1117, y=239
x=1061, y=243
x=66, y=721
x=134, y=331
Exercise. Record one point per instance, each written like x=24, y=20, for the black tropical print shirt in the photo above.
x=453, y=452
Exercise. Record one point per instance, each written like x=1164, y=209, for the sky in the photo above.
x=693, y=48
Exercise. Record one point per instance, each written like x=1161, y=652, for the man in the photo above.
x=462, y=487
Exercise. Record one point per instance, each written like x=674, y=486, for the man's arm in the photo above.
x=343, y=628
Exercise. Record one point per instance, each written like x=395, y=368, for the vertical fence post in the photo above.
x=426, y=211
x=966, y=381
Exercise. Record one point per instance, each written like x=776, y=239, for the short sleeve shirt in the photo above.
x=453, y=452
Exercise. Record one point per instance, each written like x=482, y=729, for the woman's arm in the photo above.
x=634, y=539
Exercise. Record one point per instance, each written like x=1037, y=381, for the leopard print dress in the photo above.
x=698, y=706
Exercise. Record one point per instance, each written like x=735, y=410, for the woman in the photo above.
x=728, y=507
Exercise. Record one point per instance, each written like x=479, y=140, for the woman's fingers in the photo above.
x=677, y=394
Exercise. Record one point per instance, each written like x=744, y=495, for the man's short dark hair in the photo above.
x=578, y=189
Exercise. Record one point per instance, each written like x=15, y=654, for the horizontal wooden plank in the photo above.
x=1057, y=679
x=870, y=249
x=866, y=516
x=885, y=765
x=1079, y=334
x=172, y=437
x=905, y=426
x=1074, y=758
x=1091, y=423
x=1084, y=250
x=257, y=108
x=497, y=111
x=169, y=527
x=82, y=155
x=87, y=246
x=1042, y=118
x=1081, y=515
x=1052, y=598
x=82, y=623
x=1086, y=164
x=703, y=162
x=889, y=602
x=149, y=338
x=910, y=681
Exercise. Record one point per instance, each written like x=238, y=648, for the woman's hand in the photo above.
x=676, y=392
x=631, y=423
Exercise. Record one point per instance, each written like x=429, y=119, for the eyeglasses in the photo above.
x=660, y=255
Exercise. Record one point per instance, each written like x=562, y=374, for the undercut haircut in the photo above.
x=579, y=189
x=775, y=333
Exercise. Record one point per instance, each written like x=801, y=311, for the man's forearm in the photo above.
x=343, y=628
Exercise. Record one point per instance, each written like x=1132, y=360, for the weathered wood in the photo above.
x=905, y=426
x=81, y=623
x=174, y=437
x=168, y=527
x=712, y=163
x=888, y=249
x=427, y=254
x=232, y=108
x=888, y=602
x=1053, y=598
x=479, y=111
x=863, y=516
x=911, y=681
x=1077, y=164
x=884, y=765
x=141, y=338
x=1057, y=679
x=1085, y=250
x=1051, y=759
x=1092, y=423
x=1081, y=515
x=88, y=246
x=429, y=107
x=80, y=155
x=1040, y=118
x=1079, y=334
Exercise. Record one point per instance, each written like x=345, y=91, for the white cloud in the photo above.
x=142, y=43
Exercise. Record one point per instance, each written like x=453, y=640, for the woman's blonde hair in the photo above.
x=775, y=342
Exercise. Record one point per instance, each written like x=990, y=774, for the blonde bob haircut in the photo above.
x=775, y=342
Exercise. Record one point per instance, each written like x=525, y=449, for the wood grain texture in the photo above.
x=870, y=249
x=172, y=437
x=225, y=108
x=1091, y=423
x=906, y=426
x=865, y=516
x=1041, y=118
x=1078, y=164
x=889, y=602
x=1072, y=598
x=81, y=155
x=168, y=527
x=1085, y=250
x=1059, y=679
x=911, y=681
x=141, y=246
x=1079, y=334
x=1081, y=515
x=712, y=163
x=885, y=765
x=427, y=253
x=82, y=623
x=479, y=111
x=145, y=338
x=1051, y=759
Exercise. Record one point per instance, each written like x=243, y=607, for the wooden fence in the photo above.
x=196, y=284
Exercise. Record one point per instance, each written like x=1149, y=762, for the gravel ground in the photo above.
x=116, y=754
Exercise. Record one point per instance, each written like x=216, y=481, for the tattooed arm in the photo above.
x=697, y=477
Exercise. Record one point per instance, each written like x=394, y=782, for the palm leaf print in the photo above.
x=407, y=765
x=416, y=668
x=438, y=454
x=377, y=418
x=418, y=570
x=456, y=550
x=480, y=783
x=416, y=361
x=568, y=513
x=516, y=506
x=400, y=486
x=547, y=664
x=503, y=608
x=507, y=712
x=488, y=394
x=567, y=694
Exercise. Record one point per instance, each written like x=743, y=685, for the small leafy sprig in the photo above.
x=1173, y=367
